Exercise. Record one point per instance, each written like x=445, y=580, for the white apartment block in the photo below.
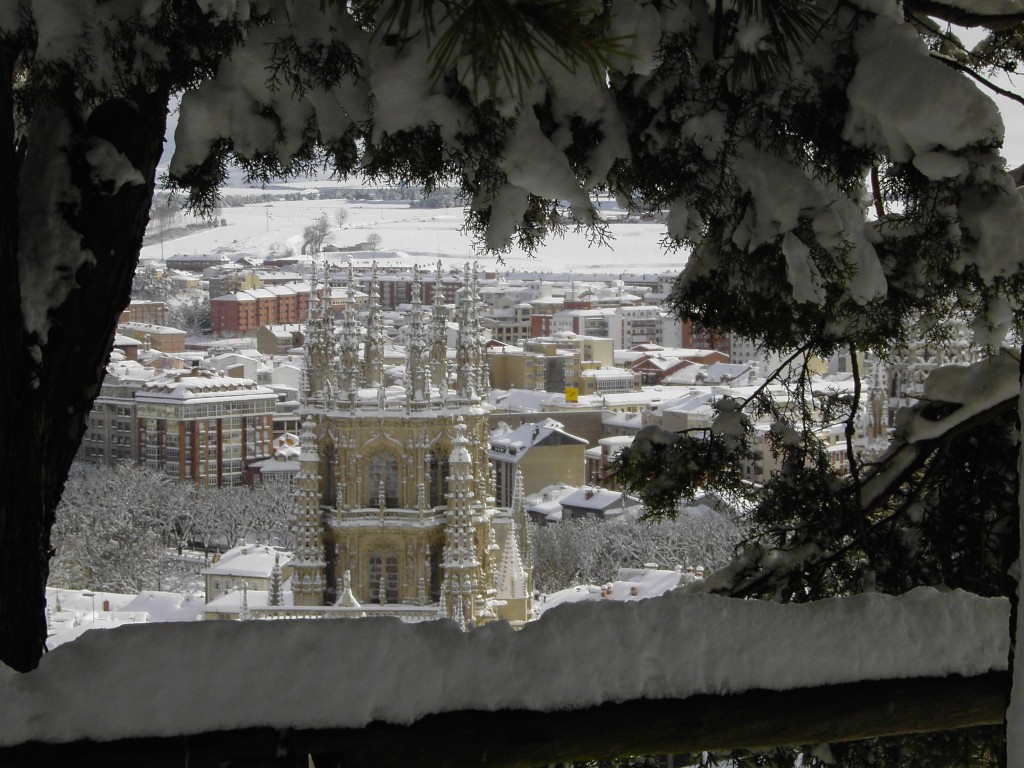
x=630, y=326
x=584, y=322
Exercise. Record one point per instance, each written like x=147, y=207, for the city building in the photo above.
x=203, y=427
x=513, y=368
x=542, y=454
x=608, y=381
x=245, y=566
x=629, y=326
x=196, y=262
x=137, y=311
x=583, y=322
x=279, y=339
x=110, y=431
x=594, y=503
x=509, y=324
x=159, y=337
x=245, y=311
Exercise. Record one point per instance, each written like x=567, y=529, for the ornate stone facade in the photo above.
x=395, y=500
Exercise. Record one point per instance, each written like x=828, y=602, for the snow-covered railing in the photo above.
x=173, y=679
x=392, y=514
x=404, y=612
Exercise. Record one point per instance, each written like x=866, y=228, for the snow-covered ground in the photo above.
x=183, y=678
x=70, y=613
x=421, y=235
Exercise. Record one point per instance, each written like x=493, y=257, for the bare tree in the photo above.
x=591, y=552
x=315, y=235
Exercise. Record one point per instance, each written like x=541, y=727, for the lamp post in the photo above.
x=93, y=596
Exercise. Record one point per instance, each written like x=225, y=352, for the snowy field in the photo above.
x=420, y=236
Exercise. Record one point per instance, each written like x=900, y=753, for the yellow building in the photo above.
x=542, y=454
x=516, y=369
x=159, y=337
x=395, y=501
x=248, y=566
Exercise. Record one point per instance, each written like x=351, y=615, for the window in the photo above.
x=383, y=469
x=328, y=481
x=437, y=470
x=384, y=573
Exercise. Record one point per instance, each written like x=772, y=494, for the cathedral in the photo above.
x=395, y=498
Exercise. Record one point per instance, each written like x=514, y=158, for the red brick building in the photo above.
x=243, y=312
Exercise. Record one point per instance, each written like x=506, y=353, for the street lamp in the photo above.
x=93, y=596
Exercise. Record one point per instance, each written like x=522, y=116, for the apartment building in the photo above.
x=110, y=431
x=154, y=312
x=159, y=337
x=509, y=324
x=513, y=368
x=583, y=322
x=245, y=311
x=608, y=381
x=544, y=453
x=203, y=427
x=629, y=326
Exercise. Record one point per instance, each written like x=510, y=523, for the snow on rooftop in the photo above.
x=248, y=560
x=592, y=498
x=202, y=386
x=631, y=584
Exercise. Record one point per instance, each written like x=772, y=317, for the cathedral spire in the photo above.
x=275, y=594
x=244, y=614
x=511, y=581
x=466, y=342
x=349, y=368
x=483, y=374
x=417, y=378
x=439, y=336
x=308, y=527
x=320, y=347
x=373, y=361
x=461, y=561
x=519, y=522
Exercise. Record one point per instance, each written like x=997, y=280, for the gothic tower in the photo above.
x=320, y=349
x=308, y=575
x=395, y=507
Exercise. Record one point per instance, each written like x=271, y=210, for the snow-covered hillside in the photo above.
x=421, y=235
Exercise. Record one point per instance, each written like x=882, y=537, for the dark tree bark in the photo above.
x=47, y=396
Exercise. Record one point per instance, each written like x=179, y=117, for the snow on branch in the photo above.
x=991, y=14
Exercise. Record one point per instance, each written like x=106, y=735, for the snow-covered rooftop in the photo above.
x=248, y=560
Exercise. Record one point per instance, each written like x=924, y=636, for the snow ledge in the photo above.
x=181, y=679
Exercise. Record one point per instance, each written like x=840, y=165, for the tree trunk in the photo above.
x=48, y=385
